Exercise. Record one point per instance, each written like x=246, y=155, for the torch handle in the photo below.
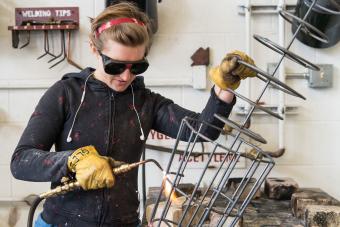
x=70, y=186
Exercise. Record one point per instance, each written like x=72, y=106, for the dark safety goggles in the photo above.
x=115, y=67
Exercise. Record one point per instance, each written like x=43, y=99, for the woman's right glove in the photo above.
x=229, y=73
x=92, y=170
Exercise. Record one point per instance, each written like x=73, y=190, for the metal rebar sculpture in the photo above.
x=259, y=163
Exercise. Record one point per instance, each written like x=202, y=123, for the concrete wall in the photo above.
x=311, y=143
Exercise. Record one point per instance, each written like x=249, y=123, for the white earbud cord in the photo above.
x=142, y=137
x=69, y=138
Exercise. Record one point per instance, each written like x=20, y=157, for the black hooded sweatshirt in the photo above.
x=106, y=119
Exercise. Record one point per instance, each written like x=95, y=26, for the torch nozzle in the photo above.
x=127, y=167
x=72, y=185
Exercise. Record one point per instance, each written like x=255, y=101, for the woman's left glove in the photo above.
x=92, y=170
x=229, y=73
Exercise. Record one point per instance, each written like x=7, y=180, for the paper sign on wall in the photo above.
x=158, y=139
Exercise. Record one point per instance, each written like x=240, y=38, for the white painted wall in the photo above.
x=312, y=146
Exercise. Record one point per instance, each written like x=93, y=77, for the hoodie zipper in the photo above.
x=112, y=122
x=108, y=149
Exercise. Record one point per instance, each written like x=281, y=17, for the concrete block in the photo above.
x=280, y=188
x=309, y=196
x=215, y=218
x=322, y=215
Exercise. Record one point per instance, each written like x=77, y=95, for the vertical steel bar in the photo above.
x=211, y=183
x=180, y=172
x=219, y=189
x=167, y=169
x=198, y=184
x=240, y=187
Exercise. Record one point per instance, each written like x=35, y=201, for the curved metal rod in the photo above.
x=264, y=109
x=68, y=52
x=165, y=221
x=239, y=128
x=283, y=51
x=306, y=26
x=337, y=5
x=276, y=154
x=150, y=160
x=273, y=79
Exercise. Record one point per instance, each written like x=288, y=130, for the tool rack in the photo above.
x=47, y=19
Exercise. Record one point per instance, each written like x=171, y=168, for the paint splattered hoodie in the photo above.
x=106, y=119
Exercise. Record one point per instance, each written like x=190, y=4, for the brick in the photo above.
x=280, y=188
x=233, y=183
x=322, y=215
x=309, y=196
x=175, y=213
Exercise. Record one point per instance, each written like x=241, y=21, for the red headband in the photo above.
x=113, y=22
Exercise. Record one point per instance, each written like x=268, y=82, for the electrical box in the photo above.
x=322, y=78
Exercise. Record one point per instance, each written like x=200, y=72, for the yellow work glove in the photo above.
x=229, y=73
x=92, y=170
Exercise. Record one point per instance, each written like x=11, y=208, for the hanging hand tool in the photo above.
x=46, y=46
x=28, y=40
x=45, y=19
x=68, y=53
x=62, y=51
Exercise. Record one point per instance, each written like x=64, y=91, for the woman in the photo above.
x=100, y=115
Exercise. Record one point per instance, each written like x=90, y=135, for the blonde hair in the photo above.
x=129, y=34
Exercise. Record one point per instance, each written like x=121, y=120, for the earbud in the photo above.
x=142, y=137
x=69, y=138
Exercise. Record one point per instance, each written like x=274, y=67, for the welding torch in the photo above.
x=73, y=185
